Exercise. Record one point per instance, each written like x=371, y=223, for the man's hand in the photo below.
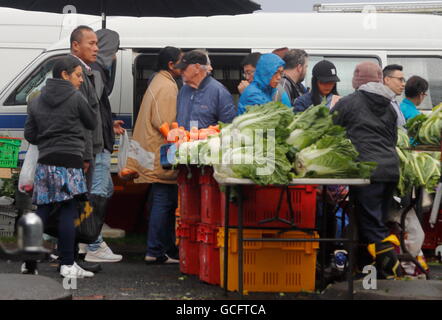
x=118, y=129
x=334, y=100
x=242, y=86
x=128, y=174
x=86, y=165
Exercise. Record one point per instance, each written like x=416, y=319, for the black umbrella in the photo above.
x=138, y=8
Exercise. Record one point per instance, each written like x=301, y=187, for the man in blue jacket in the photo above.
x=202, y=101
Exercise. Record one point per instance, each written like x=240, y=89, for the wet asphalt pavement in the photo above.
x=132, y=279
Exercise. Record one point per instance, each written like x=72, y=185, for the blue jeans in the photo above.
x=161, y=233
x=102, y=185
x=101, y=179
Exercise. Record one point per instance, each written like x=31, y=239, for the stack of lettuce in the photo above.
x=426, y=129
x=417, y=169
x=270, y=145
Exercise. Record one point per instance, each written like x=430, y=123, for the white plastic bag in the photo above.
x=123, y=150
x=414, y=234
x=27, y=172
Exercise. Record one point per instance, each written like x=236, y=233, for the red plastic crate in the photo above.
x=189, y=194
x=189, y=248
x=433, y=236
x=260, y=203
x=208, y=254
x=210, y=198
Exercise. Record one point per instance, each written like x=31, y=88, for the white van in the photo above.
x=25, y=35
x=412, y=40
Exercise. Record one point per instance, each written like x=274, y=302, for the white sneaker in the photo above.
x=103, y=254
x=24, y=270
x=74, y=271
x=53, y=256
x=160, y=260
x=171, y=260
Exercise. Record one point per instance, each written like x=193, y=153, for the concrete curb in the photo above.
x=387, y=290
x=30, y=287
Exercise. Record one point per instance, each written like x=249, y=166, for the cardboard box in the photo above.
x=5, y=173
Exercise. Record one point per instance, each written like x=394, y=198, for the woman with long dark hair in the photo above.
x=56, y=123
x=324, y=79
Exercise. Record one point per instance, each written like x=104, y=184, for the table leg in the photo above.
x=226, y=239
x=323, y=235
x=353, y=237
x=240, y=242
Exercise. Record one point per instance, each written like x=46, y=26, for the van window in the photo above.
x=37, y=80
x=345, y=66
x=429, y=68
x=32, y=84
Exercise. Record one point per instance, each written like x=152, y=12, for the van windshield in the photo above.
x=32, y=84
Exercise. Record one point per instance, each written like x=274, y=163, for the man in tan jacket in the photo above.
x=158, y=106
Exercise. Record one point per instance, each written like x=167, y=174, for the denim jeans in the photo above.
x=102, y=185
x=101, y=179
x=161, y=233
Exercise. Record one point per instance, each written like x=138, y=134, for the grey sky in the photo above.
x=304, y=5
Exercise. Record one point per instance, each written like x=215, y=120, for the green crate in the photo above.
x=9, y=149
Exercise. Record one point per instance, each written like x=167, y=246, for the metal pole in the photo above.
x=103, y=14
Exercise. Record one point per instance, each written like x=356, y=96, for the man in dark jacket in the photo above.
x=202, y=101
x=370, y=122
x=102, y=185
x=295, y=69
x=84, y=46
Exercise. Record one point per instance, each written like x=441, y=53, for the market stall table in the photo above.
x=230, y=182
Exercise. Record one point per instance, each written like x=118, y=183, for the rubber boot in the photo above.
x=385, y=256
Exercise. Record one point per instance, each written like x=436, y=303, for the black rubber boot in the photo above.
x=387, y=262
x=386, y=259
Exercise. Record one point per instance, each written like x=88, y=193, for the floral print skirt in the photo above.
x=57, y=184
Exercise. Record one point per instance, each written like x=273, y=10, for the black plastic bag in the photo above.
x=88, y=224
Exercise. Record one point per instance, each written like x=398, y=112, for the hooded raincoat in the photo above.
x=370, y=120
x=69, y=115
x=260, y=91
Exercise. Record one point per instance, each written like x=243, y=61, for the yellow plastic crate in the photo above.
x=271, y=266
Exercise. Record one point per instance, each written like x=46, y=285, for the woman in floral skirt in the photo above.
x=57, y=122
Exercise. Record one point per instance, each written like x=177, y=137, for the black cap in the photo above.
x=192, y=57
x=325, y=71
